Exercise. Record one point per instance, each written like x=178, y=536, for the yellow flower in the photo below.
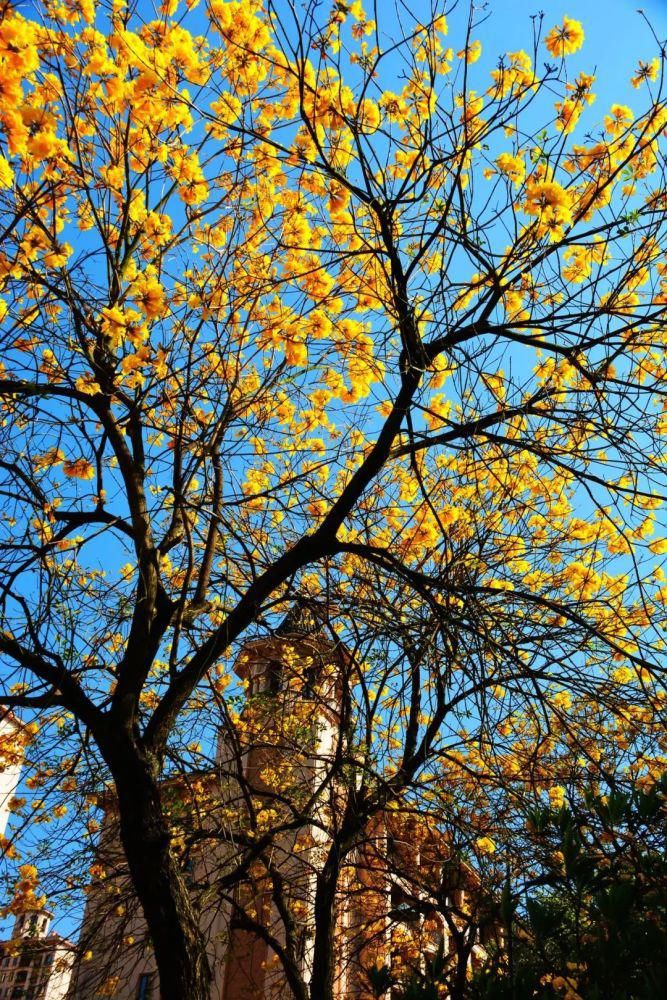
x=513, y=167
x=87, y=384
x=54, y=456
x=550, y=203
x=394, y=106
x=557, y=796
x=618, y=120
x=562, y=700
x=80, y=468
x=149, y=295
x=472, y=53
x=58, y=255
x=516, y=76
x=120, y=324
x=485, y=845
x=567, y=115
x=646, y=71
x=368, y=115
x=566, y=38
x=623, y=675
x=6, y=173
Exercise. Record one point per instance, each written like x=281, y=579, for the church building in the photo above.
x=277, y=768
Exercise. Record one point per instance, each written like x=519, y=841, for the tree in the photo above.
x=272, y=329
x=592, y=920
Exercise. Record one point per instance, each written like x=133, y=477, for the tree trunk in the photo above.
x=178, y=943
x=459, y=985
x=321, y=982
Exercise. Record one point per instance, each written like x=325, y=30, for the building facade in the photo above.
x=35, y=964
x=12, y=748
x=274, y=771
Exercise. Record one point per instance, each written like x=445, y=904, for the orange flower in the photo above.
x=80, y=468
x=566, y=38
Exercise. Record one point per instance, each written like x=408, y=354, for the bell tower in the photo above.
x=32, y=923
x=292, y=676
x=278, y=759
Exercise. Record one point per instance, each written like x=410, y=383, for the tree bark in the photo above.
x=459, y=984
x=178, y=943
x=321, y=981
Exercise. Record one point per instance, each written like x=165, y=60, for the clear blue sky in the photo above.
x=616, y=34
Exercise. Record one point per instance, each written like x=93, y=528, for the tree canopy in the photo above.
x=314, y=302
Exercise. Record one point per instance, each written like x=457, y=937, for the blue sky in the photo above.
x=616, y=34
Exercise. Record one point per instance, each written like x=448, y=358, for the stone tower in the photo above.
x=287, y=738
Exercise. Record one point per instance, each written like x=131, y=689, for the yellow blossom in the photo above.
x=566, y=38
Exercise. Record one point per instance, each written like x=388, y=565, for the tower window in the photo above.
x=310, y=681
x=274, y=677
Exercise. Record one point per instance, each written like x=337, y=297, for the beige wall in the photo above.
x=11, y=761
x=59, y=982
